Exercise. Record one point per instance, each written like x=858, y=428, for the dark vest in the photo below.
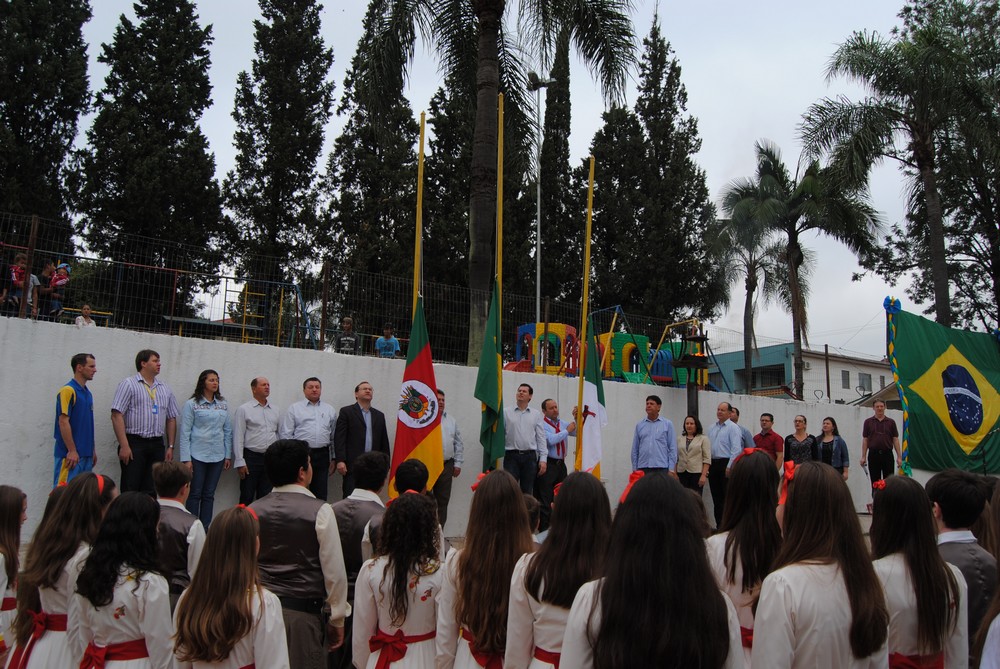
x=289, y=549
x=175, y=525
x=352, y=516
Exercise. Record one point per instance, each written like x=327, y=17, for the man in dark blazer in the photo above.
x=360, y=429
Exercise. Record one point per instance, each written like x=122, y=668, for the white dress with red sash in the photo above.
x=534, y=629
x=139, y=614
x=743, y=601
x=377, y=642
x=902, y=602
x=54, y=647
x=265, y=647
x=8, y=606
x=578, y=653
x=454, y=647
x=804, y=621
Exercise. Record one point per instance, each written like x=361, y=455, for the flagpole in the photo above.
x=584, y=342
x=418, y=238
x=499, y=257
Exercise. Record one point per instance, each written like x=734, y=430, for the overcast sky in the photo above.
x=751, y=70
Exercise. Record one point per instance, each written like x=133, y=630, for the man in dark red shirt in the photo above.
x=879, y=439
x=768, y=440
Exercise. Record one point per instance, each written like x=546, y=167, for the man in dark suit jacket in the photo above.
x=360, y=429
x=958, y=499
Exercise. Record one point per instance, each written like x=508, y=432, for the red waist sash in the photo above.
x=393, y=646
x=40, y=623
x=746, y=636
x=485, y=660
x=8, y=604
x=95, y=656
x=900, y=661
x=547, y=656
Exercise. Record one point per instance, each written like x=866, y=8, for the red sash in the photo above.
x=746, y=636
x=8, y=604
x=41, y=622
x=95, y=656
x=547, y=656
x=393, y=646
x=900, y=661
x=561, y=446
x=485, y=660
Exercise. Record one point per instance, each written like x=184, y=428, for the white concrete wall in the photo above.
x=34, y=363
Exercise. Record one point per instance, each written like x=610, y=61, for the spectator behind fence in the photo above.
x=84, y=320
x=387, y=346
x=45, y=289
x=347, y=341
x=57, y=290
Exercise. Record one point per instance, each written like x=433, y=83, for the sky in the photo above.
x=750, y=69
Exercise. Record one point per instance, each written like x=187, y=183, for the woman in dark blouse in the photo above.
x=800, y=446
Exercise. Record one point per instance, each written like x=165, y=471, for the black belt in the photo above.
x=302, y=605
x=138, y=438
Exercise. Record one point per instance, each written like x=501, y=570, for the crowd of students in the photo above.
x=788, y=580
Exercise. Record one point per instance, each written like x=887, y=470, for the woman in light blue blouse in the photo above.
x=206, y=443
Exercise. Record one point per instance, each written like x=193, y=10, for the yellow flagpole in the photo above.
x=500, y=203
x=584, y=342
x=418, y=240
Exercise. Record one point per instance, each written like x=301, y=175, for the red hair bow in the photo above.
x=555, y=489
x=789, y=475
x=746, y=451
x=878, y=485
x=249, y=510
x=632, y=478
x=479, y=479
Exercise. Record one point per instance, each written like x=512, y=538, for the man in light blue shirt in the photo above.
x=654, y=445
x=453, y=453
x=557, y=432
x=727, y=443
x=313, y=421
x=525, y=448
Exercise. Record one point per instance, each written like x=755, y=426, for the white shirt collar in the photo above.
x=173, y=503
x=294, y=487
x=956, y=537
x=366, y=496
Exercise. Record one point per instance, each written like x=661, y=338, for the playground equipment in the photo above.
x=558, y=354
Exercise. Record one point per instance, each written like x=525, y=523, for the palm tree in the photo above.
x=812, y=200
x=753, y=257
x=917, y=84
x=474, y=46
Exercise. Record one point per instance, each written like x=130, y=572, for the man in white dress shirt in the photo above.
x=313, y=421
x=453, y=454
x=526, y=451
x=254, y=429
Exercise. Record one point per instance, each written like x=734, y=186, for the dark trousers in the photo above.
x=320, y=459
x=256, y=484
x=690, y=481
x=348, y=485
x=137, y=475
x=204, y=480
x=881, y=464
x=717, y=481
x=522, y=465
x=442, y=490
x=545, y=486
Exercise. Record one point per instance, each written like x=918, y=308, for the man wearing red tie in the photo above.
x=556, y=436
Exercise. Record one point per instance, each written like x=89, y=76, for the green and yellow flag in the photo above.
x=949, y=385
x=489, y=387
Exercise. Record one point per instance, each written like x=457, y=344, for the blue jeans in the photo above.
x=204, y=479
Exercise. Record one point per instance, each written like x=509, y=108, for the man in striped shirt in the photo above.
x=143, y=412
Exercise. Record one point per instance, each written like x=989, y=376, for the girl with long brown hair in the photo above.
x=928, y=609
x=395, y=607
x=13, y=508
x=472, y=609
x=657, y=604
x=58, y=549
x=226, y=619
x=742, y=553
x=823, y=603
x=545, y=583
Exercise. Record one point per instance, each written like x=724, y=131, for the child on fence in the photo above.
x=58, y=285
x=16, y=275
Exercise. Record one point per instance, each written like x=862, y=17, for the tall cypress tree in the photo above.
x=148, y=175
x=282, y=105
x=43, y=76
x=653, y=213
x=562, y=209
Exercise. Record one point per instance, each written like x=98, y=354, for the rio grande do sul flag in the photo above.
x=418, y=421
x=594, y=414
x=949, y=385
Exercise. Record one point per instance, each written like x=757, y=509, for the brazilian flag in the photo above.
x=949, y=384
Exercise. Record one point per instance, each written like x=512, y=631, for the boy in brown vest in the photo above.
x=301, y=559
x=181, y=535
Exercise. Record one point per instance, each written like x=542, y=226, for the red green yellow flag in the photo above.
x=418, y=421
